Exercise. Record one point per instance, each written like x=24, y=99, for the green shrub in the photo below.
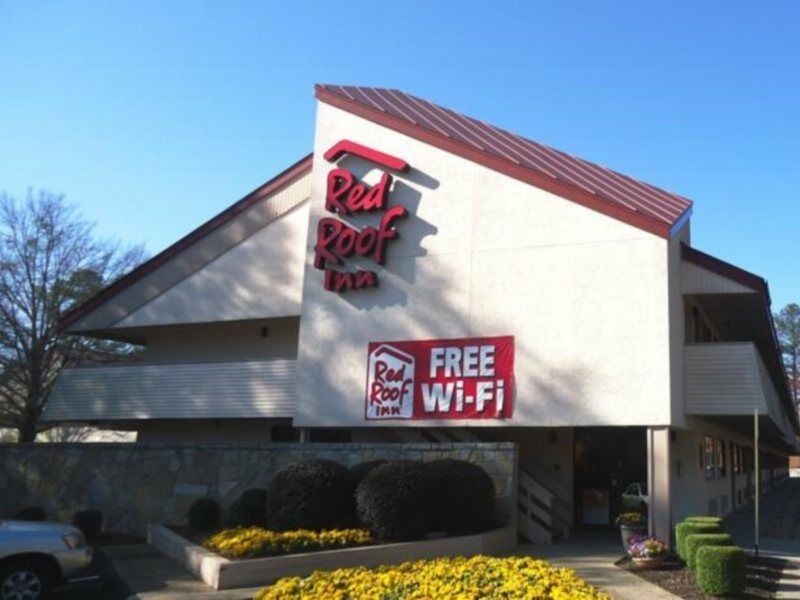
x=249, y=509
x=465, y=497
x=205, y=515
x=312, y=494
x=90, y=522
x=721, y=570
x=710, y=520
x=685, y=529
x=396, y=501
x=362, y=469
x=697, y=540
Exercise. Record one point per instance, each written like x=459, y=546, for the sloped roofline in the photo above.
x=275, y=184
x=582, y=195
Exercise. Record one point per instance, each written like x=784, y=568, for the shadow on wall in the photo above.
x=412, y=230
x=547, y=392
x=238, y=290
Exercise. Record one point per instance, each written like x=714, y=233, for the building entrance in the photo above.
x=610, y=474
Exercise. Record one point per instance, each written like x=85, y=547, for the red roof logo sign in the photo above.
x=467, y=378
x=390, y=384
x=345, y=195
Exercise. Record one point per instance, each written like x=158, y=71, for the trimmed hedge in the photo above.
x=710, y=520
x=697, y=540
x=362, y=469
x=721, y=570
x=313, y=494
x=395, y=501
x=249, y=509
x=685, y=529
x=90, y=522
x=205, y=515
x=465, y=497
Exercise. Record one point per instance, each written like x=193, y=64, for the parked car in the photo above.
x=635, y=496
x=36, y=555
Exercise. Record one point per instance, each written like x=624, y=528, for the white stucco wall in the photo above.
x=482, y=254
x=677, y=320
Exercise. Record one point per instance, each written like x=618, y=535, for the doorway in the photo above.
x=610, y=474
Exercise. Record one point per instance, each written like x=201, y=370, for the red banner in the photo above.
x=468, y=378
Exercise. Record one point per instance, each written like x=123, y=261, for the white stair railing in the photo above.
x=535, y=510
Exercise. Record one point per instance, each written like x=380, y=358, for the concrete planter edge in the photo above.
x=222, y=574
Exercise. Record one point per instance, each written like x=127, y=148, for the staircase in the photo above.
x=542, y=516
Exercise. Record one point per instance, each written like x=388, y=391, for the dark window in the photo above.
x=330, y=435
x=709, y=457
x=719, y=446
x=285, y=433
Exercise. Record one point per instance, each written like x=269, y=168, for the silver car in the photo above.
x=35, y=555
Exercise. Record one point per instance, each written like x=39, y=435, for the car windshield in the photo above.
x=632, y=489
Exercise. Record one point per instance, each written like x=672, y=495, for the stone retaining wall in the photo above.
x=134, y=484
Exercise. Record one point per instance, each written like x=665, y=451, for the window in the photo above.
x=701, y=463
x=719, y=451
x=709, y=457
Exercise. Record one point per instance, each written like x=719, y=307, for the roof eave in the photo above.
x=560, y=188
x=282, y=179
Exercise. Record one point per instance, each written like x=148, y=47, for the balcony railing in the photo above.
x=730, y=379
x=210, y=390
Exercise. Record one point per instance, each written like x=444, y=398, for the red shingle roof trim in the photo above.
x=598, y=188
x=275, y=184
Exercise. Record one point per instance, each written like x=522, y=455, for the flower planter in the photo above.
x=648, y=563
x=629, y=531
x=221, y=573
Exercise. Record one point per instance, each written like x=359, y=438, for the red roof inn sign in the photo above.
x=471, y=378
x=346, y=195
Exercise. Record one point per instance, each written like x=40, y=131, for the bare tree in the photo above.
x=50, y=260
x=787, y=325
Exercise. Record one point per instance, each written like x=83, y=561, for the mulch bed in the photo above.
x=763, y=575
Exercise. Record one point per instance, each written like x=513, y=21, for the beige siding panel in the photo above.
x=175, y=391
x=697, y=280
x=197, y=255
x=260, y=278
x=722, y=379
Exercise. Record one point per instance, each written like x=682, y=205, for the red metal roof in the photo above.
x=587, y=183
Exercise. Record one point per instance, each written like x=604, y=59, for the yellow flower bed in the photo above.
x=253, y=542
x=457, y=578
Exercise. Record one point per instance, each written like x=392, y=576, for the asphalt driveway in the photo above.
x=99, y=581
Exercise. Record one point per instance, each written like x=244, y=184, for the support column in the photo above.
x=659, y=480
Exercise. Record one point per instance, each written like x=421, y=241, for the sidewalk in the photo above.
x=780, y=532
x=149, y=575
x=592, y=556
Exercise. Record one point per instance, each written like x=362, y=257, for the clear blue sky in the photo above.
x=154, y=116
